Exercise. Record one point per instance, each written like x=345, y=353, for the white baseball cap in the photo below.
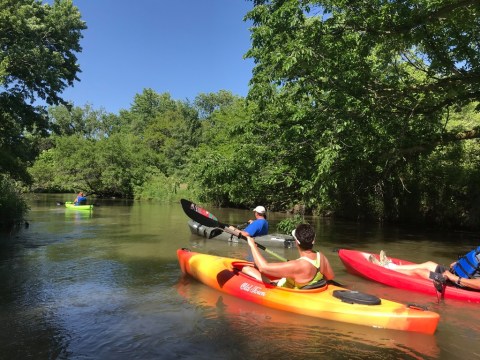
x=260, y=210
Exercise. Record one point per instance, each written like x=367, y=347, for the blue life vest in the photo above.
x=258, y=227
x=468, y=265
x=82, y=200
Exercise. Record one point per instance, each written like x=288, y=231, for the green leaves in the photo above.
x=37, y=61
x=348, y=87
x=352, y=105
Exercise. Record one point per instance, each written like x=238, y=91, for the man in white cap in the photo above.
x=257, y=227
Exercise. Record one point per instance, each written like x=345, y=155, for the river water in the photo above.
x=106, y=285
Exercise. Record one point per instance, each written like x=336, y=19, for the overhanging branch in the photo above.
x=445, y=139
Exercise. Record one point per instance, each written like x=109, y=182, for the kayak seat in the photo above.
x=316, y=285
x=356, y=297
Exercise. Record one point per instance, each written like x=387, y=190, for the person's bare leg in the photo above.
x=423, y=270
x=429, y=265
x=251, y=271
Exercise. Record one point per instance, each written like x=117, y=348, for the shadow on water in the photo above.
x=266, y=332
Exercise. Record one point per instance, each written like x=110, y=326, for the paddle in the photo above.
x=205, y=218
x=439, y=283
x=242, y=226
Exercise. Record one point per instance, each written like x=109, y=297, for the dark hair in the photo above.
x=305, y=234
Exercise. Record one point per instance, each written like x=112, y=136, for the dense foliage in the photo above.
x=359, y=109
x=365, y=94
x=118, y=155
x=12, y=205
x=38, y=43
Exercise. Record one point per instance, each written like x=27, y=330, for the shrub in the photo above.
x=13, y=206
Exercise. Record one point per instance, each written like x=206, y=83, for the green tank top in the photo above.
x=291, y=284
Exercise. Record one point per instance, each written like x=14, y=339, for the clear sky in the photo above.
x=182, y=47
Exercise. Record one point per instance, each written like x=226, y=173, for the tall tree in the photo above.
x=361, y=90
x=38, y=43
x=146, y=106
x=84, y=121
x=207, y=103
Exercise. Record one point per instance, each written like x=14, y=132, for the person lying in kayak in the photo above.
x=308, y=269
x=464, y=273
x=257, y=227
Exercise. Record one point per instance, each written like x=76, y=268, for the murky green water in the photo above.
x=106, y=285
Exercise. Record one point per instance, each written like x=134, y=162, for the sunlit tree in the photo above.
x=354, y=94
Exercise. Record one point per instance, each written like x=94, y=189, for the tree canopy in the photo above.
x=363, y=91
x=38, y=44
x=367, y=110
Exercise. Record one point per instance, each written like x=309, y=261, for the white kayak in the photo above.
x=217, y=233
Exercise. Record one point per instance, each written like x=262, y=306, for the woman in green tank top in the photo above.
x=310, y=267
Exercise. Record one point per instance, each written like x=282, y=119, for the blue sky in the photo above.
x=181, y=47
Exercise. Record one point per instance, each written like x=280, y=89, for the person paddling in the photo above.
x=257, y=227
x=81, y=199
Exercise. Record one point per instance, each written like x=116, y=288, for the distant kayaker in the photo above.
x=257, y=227
x=81, y=199
x=464, y=273
x=308, y=269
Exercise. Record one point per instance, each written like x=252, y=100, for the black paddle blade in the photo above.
x=203, y=217
x=200, y=215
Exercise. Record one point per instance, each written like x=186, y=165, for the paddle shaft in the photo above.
x=206, y=218
x=240, y=236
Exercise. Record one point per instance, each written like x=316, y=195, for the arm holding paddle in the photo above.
x=81, y=199
x=464, y=282
x=464, y=273
x=257, y=227
x=309, y=268
x=275, y=270
x=204, y=217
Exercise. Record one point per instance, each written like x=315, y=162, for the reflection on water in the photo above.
x=106, y=285
x=297, y=335
x=77, y=215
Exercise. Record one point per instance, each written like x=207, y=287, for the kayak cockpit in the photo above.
x=237, y=267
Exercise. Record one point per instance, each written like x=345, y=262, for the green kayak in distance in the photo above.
x=71, y=205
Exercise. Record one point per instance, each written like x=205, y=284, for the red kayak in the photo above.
x=357, y=262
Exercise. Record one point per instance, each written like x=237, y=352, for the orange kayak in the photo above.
x=329, y=302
